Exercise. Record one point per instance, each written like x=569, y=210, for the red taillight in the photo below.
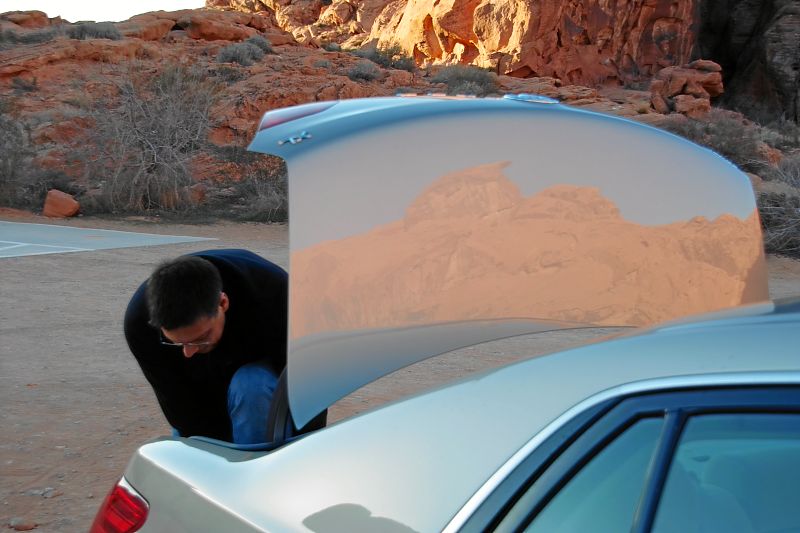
x=122, y=512
x=279, y=116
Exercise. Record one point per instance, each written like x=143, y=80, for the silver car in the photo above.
x=421, y=225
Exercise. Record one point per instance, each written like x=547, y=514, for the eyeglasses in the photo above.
x=167, y=342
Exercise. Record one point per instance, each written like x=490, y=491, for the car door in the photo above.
x=701, y=460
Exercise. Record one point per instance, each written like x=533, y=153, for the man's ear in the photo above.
x=224, y=303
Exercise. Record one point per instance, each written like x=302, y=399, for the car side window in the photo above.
x=603, y=495
x=738, y=473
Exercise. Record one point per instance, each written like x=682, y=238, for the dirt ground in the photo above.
x=75, y=405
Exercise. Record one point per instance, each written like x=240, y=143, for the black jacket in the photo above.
x=193, y=392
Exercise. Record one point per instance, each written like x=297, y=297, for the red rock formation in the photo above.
x=55, y=86
x=59, y=204
x=581, y=42
x=756, y=42
x=687, y=90
x=27, y=19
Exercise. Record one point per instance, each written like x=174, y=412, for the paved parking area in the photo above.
x=19, y=239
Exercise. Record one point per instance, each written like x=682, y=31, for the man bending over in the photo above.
x=209, y=332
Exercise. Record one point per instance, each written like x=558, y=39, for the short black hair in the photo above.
x=181, y=291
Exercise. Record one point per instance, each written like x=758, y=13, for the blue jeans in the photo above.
x=249, y=397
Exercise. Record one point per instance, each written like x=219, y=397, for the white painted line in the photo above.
x=111, y=230
x=12, y=246
x=45, y=253
x=75, y=248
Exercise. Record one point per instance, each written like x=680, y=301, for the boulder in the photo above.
x=197, y=193
x=59, y=204
x=153, y=29
x=27, y=19
x=687, y=89
x=208, y=27
x=338, y=13
x=692, y=107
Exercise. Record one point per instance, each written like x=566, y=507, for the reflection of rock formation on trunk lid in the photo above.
x=472, y=247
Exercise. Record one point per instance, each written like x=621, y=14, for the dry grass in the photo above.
x=467, y=79
x=140, y=147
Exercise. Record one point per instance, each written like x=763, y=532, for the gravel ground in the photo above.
x=75, y=405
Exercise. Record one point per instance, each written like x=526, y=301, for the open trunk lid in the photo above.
x=421, y=225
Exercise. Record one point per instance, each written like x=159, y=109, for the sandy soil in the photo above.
x=75, y=405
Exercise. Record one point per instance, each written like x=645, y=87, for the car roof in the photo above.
x=418, y=461
x=422, y=225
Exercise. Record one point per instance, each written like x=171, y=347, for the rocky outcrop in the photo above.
x=687, y=90
x=28, y=19
x=59, y=204
x=581, y=42
x=56, y=86
x=584, y=42
x=756, y=43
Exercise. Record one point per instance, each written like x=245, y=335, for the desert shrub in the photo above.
x=780, y=220
x=15, y=156
x=228, y=74
x=261, y=42
x=94, y=30
x=21, y=85
x=144, y=142
x=782, y=134
x=787, y=171
x=467, y=79
x=22, y=182
x=243, y=53
x=259, y=194
x=322, y=63
x=388, y=57
x=724, y=133
x=38, y=181
x=332, y=47
x=10, y=38
x=364, y=71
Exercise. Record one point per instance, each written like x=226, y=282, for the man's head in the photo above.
x=186, y=302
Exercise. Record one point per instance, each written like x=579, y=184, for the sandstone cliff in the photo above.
x=758, y=46
x=582, y=42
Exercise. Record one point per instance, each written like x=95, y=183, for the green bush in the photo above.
x=94, y=30
x=332, y=47
x=242, y=53
x=467, y=79
x=389, y=57
x=364, y=71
